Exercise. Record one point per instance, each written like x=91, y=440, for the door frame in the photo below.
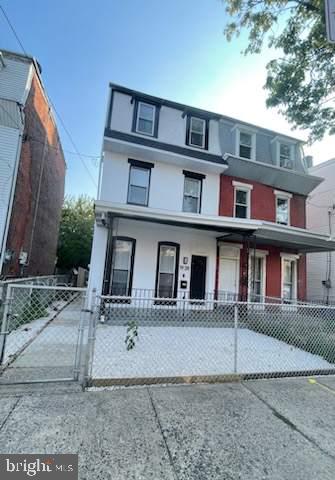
x=205, y=284
x=233, y=246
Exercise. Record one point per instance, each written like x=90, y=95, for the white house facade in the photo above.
x=191, y=202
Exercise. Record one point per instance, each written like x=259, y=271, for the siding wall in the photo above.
x=320, y=201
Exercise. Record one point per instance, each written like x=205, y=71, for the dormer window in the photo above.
x=145, y=121
x=197, y=132
x=245, y=143
x=285, y=155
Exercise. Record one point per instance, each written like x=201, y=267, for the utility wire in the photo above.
x=52, y=104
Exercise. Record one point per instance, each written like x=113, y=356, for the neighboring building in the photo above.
x=192, y=202
x=32, y=170
x=321, y=218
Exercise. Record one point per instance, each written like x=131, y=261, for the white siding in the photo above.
x=14, y=79
x=147, y=235
x=9, y=139
x=166, y=185
x=317, y=218
x=171, y=125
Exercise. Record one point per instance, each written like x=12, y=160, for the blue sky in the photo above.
x=173, y=49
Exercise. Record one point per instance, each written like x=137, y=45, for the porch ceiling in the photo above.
x=227, y=228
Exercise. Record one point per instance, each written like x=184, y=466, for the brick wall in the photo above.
x=263, y=206
x=39, y=191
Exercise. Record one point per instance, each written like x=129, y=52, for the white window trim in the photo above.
x=249, y=131
x=245, y=187
x=284, y=196
x=203, y=132
x=153, y=119
x=258, y=254
x=291, y=144
x=293, y=258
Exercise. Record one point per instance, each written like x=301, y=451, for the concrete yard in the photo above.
x=265, y=429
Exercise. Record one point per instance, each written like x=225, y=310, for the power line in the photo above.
x=52, y=104
x=13, y=30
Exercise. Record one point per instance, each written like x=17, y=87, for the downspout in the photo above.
x=11, y=198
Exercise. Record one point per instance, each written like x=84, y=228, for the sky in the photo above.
x=173, y=49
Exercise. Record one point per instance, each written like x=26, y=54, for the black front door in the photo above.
x=198, y=277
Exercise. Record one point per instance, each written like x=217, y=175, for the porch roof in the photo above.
x=226, y=228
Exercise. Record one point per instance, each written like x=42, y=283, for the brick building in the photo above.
x=32, y=170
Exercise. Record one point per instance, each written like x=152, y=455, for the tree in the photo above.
x=301, y=80
x=76, y=233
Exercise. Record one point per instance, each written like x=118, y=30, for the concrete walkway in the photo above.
x=266, y=429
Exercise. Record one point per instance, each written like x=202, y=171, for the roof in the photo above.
x=321, y=165
x=199, y=111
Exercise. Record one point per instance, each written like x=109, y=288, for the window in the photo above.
x=289, y=278
x=192, y=192
x=139, y=182
x=245, y=143
x=282, y=207
x=167, y=270
x=145, y=121
x=285, y=155
x=197, y=132
x=257, y=275
x=122, y=265
x=242, y=200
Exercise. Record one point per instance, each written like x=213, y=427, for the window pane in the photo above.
x=287, y=291
x=288, y=272
x=137, y=195
x=145, y=126
x=192, y=187
x=241, y=197
x=241, y=211
x=166, y=285
x=120, y=282
x=122, y=254
x=285, y=150
x=245, y=139
x=139, y=176
x=146, y=112
x=197, y=125
x=167, y=259
x=191, y=204
x=245, y=152
x=282, y=211
x=197, y=139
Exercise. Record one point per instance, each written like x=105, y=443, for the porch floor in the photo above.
x=175, y=351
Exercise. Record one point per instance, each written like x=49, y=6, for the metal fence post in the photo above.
x=4, y=323
x=91, y=338
x=235, y=336
x=80, y=340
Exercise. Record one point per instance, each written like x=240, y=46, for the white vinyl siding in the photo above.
x=14, y=79
x=9, y=140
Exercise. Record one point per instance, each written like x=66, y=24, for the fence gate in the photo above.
x=43, y=334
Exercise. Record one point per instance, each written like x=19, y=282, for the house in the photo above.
x=320, y=217
x=195, y=203
x=32, y=170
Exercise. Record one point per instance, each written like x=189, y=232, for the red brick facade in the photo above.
x=39, y=191
x=263, y=202
x=263, y=207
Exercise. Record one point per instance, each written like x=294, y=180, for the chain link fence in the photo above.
x=143, y=339
x=42, y=333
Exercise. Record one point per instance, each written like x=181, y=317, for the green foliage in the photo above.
x=301, y=80
x=76, y=233
x=132, y=334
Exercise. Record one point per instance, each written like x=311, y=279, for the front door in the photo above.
x=198, y=277
x=229, y=272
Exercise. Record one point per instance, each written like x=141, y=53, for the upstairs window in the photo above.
x=245, y=143
x=285, y=155
x=139, y=182
x=282, y=207
x=192, y=192
x=145, y=121
x=242, y=200
x=197, y=132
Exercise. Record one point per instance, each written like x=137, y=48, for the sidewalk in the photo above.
x=266, y=429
